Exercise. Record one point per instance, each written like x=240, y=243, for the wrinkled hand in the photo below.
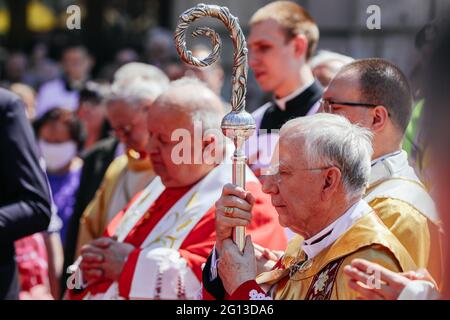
x=242, y=202
x=266, y=258
x=235, y=267
x=103, y=259
x=374, y=282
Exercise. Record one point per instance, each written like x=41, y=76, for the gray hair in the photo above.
x=137, y=83
x=331, y=140
x=139, y=70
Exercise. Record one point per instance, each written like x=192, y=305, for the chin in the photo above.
x=266, y=87
x=281, y=219
x=162, y=173
x=281, y=222
x=264, y=83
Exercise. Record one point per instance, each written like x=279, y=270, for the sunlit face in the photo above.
x=129, y=124
x=295, y=190
x=164, y=152
x=346, y=89
x=271, y=56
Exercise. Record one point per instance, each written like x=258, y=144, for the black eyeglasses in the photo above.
x=326, y=105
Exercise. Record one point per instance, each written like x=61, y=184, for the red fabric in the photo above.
x=199, y=243
x=264, y=229
x=144, y=226
x=32, y=262
x=126, y=277
x=243, y=291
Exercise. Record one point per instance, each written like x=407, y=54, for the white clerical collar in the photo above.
x=335, y=229
x=387, y=165
x=281, y=102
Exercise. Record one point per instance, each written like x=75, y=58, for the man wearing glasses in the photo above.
x=316, y=186
x=375, y=94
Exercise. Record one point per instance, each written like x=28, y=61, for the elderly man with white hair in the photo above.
x=155, y=247
x=135, y=88
x=316, y=186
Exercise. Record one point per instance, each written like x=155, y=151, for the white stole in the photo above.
x=138, y=208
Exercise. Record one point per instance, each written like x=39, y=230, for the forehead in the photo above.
x=343, y=85
x=73, y=53
x=119, y=107
x=57, y=126
x=290, y=149
x=165, y=119
x=267, y=30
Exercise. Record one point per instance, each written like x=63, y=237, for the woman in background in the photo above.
x=60, y=138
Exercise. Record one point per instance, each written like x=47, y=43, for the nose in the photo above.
x=269, y=185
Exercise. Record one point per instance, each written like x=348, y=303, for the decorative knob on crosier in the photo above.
x=238, y=125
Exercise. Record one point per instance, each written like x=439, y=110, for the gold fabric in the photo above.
x=419, y=235
x=94, y=219
x=368, y=239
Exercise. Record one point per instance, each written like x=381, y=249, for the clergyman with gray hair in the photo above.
x=155, y=247
x=136, y=86
x=317, y=180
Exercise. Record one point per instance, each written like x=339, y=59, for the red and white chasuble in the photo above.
x=173, y=232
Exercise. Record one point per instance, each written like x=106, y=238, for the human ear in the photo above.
x=332, y=177
x=301, y=45
x=379, y=118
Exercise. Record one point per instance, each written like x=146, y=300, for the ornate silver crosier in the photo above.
x=238, y=125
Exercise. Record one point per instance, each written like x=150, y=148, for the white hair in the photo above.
x=326, y=56
x=331, y=140
x=209, y=116
x=139, y=70
x=137, y=83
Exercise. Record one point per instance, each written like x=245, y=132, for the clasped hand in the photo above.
x=104, y=259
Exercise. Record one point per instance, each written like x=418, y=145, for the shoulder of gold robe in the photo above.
x=403, y=220
x=367, y=231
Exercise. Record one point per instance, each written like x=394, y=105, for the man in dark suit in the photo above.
x=24, y=192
